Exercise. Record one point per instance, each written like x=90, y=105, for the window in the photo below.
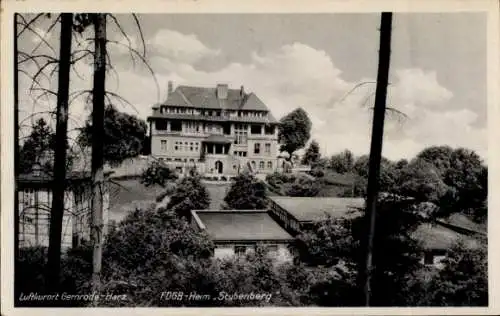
x=272, y=248
x=240, y=250
x=234, y=167
x=241, y=132
x=161, y=125
x=428, y=258
x=163, y=145
x=269, y=130
x=176, y=147
x=176, y=126
x=261, y=165
x=269, y=165
x=256, y=129
x=256, y=148
x=268, y=148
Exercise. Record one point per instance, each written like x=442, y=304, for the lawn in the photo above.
x=128, y=194
x=217, y=192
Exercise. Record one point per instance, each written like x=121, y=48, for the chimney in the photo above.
x=170, y=88
x=242, y=92
x=222, y=91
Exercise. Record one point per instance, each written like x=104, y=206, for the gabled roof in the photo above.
x=201, y=97
x=240, y=225
x=308, y=209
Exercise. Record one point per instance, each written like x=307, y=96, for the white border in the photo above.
x=248, y=6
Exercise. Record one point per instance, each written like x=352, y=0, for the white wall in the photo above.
x=227, y=251
x=221, y=252
x=34, y=225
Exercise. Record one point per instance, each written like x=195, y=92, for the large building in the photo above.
x=218, y=130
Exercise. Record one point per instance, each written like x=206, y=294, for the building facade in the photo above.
x=35, y=202
x=218, y=130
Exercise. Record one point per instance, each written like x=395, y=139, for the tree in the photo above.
x=41, y=141
x=246, y=193
x=396, y=254
x=376, y=146
x=386, y=177
x=326, y=243
x=294, y=131
x=61, y=144
x=439, y=156
x=465, y=176
x=343, y=162
x=151, y=251
x=157, y=174
x=190, y=194
x=420, y=180
x=312, y=154
x=463, y=280
x=124, y=135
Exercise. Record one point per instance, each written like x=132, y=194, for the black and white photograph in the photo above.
x=247, y=159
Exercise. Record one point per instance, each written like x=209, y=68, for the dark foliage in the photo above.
x=312, y=154
x=246, y=193
x=190, y=194
x=124, y=135
x=294, y=131
x=157, y=173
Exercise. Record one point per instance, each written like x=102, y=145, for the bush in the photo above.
x=246, y=193
x=189, y=194
x=157, y=174
x=318, y=173
x=302, y=186
x=169, y=190
x=76, y=271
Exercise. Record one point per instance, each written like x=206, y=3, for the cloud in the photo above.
x=178, y=47
x=417, y=86
x=299, y=75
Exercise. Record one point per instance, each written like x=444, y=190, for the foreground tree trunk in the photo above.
x=59, y=184
x=97, y=175
x=376, y=146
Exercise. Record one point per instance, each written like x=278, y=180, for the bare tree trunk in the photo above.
x=99, y=21
x=16, y=163
x=376, y=145
x=59, y=185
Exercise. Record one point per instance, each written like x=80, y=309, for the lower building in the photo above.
x=436, y=237
x=237, y=232
x=296, y=214
x=35, y=203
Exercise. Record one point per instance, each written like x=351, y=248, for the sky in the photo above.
x=437, y=75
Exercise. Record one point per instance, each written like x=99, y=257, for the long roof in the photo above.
x=307, y=209
x=434, y=236
x=240, y=225
x=269, y=119
x=206, y=98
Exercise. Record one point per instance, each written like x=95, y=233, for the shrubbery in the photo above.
x=157, y=174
